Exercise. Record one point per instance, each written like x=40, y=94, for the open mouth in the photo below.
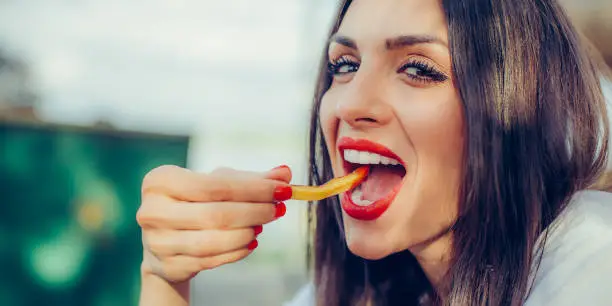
x=385, y=174
x=373, y=196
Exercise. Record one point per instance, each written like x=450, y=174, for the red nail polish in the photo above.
x=252, y=245
x=257, y=229
x=282, y=193
x=281, y=167
x=281, y=209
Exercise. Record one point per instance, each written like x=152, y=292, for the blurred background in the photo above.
x=93, y=94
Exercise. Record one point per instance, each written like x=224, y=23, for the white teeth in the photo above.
x=375, y=158
x=351, y=155
x=368, y=158
x=356, y=197
x=364, y=158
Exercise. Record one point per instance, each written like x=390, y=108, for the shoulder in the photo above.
x=304, y=297
x=576, y=265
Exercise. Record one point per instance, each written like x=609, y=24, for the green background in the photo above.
x=68, y=234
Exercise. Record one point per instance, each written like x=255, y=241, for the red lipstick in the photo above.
x=377, y=208
x=370, y=212
x=366, y=145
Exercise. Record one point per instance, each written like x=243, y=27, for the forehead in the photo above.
x=375, y=20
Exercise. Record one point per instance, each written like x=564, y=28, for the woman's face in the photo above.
x=392, y=100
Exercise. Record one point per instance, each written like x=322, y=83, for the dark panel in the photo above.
x=68, y=235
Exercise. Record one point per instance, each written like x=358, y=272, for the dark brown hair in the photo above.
x=536, y=130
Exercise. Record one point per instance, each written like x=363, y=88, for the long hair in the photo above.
x=536, y=132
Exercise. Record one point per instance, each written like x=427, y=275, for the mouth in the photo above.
x=370, y=199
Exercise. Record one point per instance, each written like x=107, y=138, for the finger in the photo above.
x=184, y=266
x=203, y=243
x=162, y=212
x=207, y=263
x=219, y=186
x=281, y=173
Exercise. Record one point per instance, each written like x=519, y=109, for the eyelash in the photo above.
x=333, y=67
x=426, y=73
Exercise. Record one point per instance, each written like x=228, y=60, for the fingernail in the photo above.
x=282, y=192
x=281, y=167
x=257, y=229
x=253, y=245
x=281, y=209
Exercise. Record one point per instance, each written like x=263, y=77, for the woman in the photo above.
x=495, y=120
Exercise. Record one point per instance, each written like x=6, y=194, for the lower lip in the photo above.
x=370, y=212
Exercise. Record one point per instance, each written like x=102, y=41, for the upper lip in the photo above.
x=366, y=145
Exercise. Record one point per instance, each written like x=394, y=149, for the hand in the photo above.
x=192, y=222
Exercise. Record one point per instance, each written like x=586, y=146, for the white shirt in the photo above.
x=576, y=266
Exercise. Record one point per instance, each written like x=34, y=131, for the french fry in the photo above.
x=331, y=188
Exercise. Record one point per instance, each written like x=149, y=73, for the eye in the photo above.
x=343, y=65
x=422, y=72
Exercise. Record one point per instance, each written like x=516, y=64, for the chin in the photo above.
x=368, y=246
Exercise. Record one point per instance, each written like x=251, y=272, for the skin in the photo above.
x=420, y=119
x=198, y=221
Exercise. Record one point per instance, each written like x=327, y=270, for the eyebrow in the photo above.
x=392, y=43
x=343, y=40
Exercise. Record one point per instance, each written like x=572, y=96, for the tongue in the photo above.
x=380, y=181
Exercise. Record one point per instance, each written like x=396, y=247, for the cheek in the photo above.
x=329, y=123
x=435, y=126
x=326, y=115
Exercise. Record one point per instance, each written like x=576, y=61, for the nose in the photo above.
x=363, y=104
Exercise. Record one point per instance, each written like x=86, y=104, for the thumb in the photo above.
x=280, y=173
